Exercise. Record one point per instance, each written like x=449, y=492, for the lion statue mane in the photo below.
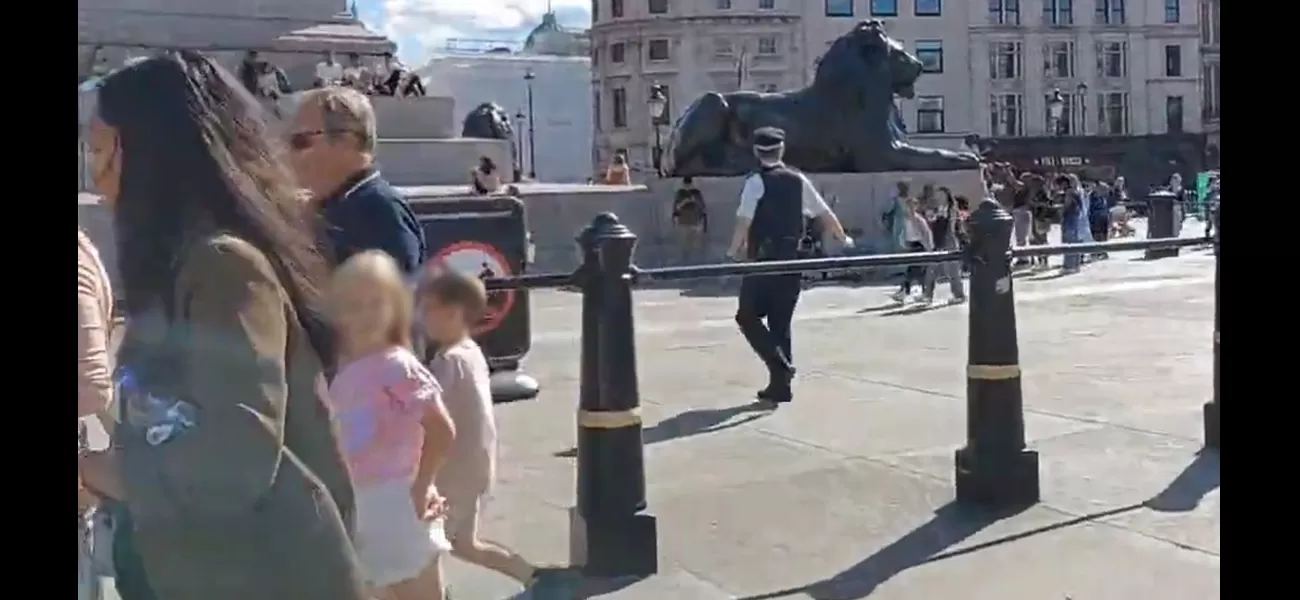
x=845, y=122
x=488, y=120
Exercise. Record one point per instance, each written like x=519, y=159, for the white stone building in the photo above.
x=1210, y=70
x=561, y=104
x=991, y=63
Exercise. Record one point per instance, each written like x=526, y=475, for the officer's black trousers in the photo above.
x=773, y=299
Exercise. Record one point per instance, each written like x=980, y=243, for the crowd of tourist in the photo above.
x=385, y=77
x=273, y=433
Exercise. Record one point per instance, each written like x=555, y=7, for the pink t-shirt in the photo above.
x=379, y=402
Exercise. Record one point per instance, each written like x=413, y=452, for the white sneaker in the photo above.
x=924, y=301
x=900, y=296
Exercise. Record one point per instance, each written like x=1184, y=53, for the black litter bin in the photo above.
x=1164, y=220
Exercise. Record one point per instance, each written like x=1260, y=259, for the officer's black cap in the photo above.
x=768, y=138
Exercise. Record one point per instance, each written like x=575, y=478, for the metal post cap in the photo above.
x=988, y=211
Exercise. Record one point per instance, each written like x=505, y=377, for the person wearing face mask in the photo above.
x=769, y=225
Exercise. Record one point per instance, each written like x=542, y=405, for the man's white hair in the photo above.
x=344, y=112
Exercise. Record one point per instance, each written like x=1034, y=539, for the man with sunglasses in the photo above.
x=332, y=143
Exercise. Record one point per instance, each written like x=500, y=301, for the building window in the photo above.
x=930, y=53
x=929, y=114
x=767, y=45
x=1112, y=59
x=1004, y=12
x=1006, y=112
x=723, y=4
x=884, y=8
x=1210, y=23
x=1173, y=60
x=616, y=8
x=595, y=108
x=1004, y=60
x=1112, y=113
x=839, y=8
x=1174, y=114
x=1173, y=11
x=617, y=52
x=619, y=98
x=1210, y=91
x=766, y=4
x=657, y=7
x=1058, y=12
x=1110, y=12
x=1066, y=124
x=1058, y=60
x=722, y=47
x=657, y=50
x=928, y=8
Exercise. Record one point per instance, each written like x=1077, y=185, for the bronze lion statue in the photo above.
x=845, y=122
x=488, y=120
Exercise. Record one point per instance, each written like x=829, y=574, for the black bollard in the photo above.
x=1212, y=407
x=994, y=469
x=610, y=534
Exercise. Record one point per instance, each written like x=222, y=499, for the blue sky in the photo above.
x=419, y=26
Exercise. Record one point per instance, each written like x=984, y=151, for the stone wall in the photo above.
x=557, y=212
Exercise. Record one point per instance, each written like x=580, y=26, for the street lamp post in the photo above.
x=1055, y=109
x=1083, y=108
x=529, y=76
x=519, y=145
x=658, y=105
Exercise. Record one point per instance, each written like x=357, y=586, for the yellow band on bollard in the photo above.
x=992, y=372
x=609, y=419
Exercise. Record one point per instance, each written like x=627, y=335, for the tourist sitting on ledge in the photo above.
x=328, y=72
x=485, y=179
x=394, y=79
x=618, y=172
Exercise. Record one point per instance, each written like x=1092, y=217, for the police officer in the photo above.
x=769, y=224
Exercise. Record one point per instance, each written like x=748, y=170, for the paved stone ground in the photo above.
x=846, y=493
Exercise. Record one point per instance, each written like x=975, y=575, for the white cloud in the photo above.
x=420, y=25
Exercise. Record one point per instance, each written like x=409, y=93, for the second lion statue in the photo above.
x=845, y=122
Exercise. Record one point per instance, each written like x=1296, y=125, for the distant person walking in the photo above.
x=943, y=217
x=691, y=223
x=332, y=148
x=915, y=236
x=224, y=455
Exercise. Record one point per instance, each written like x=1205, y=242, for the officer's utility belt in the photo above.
x=775, y=249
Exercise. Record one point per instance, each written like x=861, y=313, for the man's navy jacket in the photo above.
x=369, y=214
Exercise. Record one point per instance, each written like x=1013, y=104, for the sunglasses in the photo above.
x=304, y=140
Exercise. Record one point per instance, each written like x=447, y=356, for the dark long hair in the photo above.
x=196, y=156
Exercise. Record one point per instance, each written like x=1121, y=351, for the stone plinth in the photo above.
x=438, y=161
x=556, y=212
x=426, y=117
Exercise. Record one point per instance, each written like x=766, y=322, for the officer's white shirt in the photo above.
x=813, y=204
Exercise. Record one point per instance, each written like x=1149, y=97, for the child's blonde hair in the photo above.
x=453, y=288
x=377, y=270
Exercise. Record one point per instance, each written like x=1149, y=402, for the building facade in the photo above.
x=560, y=115
x=1210, y=76
x=1124, y=67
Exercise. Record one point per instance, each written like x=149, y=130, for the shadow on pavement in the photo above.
x=1185, y=492
x=952, y=524
x=695, y=422
x=949, y=526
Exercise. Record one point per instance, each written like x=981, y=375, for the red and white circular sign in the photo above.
x=484, y=261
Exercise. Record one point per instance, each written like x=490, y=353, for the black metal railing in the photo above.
x=612, y=531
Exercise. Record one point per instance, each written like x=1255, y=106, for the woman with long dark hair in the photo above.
x=224, y=458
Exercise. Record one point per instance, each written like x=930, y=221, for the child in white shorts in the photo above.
x=450, y=303
x=394, y=429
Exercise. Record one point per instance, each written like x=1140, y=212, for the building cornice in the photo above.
x=639, y=25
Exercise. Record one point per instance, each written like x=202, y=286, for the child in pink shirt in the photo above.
x=450, y=304
x=394, y=429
